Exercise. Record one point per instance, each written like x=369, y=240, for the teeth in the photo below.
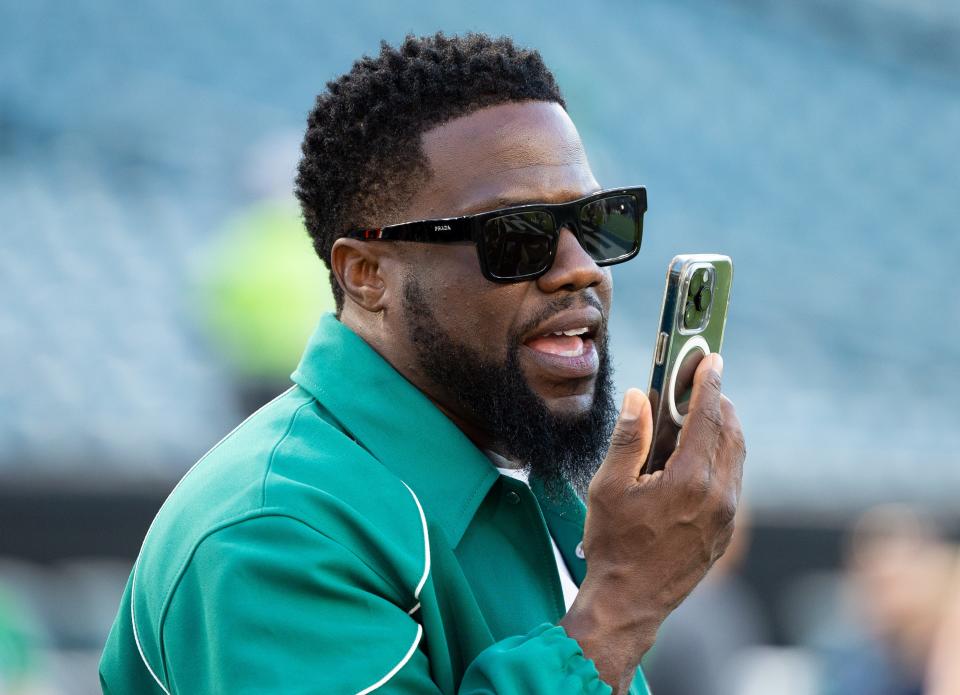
x=572, y=331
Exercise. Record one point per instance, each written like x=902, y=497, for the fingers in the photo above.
x=700, y=434
x=732, y=450
x=630, y=441
x=717, y=476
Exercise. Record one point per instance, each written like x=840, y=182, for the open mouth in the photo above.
x=562, y=347
x=570, y=342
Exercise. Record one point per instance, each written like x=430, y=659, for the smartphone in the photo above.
x=692, y=320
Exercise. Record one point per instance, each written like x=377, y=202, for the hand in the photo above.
x=649, y=539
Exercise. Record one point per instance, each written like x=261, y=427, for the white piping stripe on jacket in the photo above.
x=136, y=637
x=416, y=595
x=136, y=565
x=426, y=546
x=400, y=665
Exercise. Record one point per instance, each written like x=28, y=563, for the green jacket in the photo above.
x=347, y=538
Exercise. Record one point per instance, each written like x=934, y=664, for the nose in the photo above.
x=572, y=268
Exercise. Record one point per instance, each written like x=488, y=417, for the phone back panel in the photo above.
x=688, y=330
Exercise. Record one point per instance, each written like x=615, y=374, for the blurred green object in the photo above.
x=263, y=288
x=20, y=643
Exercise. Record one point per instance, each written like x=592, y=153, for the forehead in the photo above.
x=501, y=155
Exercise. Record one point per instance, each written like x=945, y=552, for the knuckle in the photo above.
x=713, y=381
x=736, y=445
x=722, y=503
x=725, y=512
x=624, y=438
x=732, y=431
x=698, y=482
x=713, y=420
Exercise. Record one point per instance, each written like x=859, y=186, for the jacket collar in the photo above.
x=397, y=424
x=565, y=515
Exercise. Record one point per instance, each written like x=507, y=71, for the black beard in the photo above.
x=553, y=448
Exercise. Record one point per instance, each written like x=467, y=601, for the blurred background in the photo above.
x=156, y=286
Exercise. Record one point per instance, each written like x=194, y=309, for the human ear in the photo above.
x=357, y=267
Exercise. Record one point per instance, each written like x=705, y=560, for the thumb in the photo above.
x=630, y=441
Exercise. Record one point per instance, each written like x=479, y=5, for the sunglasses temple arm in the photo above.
x=429, y=231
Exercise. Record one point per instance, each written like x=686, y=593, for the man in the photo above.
x=355, y=535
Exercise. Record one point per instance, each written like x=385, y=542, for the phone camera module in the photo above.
x=699, y=295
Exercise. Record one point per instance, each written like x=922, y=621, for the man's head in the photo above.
x=362, y=154
x=444, y=127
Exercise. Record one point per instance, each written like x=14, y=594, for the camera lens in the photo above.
x=696, y=282
x=699, y=295
x=702, y=300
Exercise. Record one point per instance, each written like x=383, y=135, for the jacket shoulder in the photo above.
x=291, y=458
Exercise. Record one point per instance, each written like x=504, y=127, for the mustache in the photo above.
x=558, y=304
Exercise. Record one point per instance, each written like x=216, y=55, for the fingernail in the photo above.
x=718, y=363
x=631, y=406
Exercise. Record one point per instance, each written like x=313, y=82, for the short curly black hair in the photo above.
x=362, y=157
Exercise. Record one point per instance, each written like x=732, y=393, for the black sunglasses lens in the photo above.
x=518, y=244
x=611, y=227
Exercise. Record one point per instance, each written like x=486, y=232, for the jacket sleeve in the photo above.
x=270, y=605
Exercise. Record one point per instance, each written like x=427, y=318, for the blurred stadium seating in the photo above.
x=822, y=161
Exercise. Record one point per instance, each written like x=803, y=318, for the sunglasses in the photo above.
x=519, y=243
